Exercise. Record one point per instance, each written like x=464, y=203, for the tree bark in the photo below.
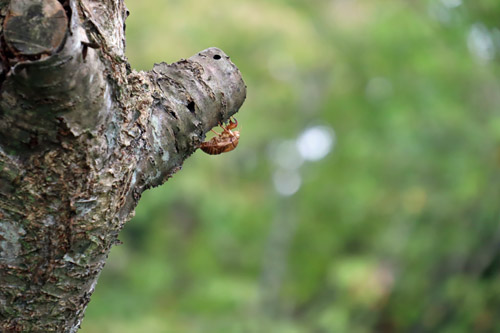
x=81, y=137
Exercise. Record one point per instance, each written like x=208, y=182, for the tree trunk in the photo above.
x=81, y=137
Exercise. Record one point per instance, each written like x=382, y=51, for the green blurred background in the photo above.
x=364, y=193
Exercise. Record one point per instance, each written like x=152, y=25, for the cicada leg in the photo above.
x=232, y=124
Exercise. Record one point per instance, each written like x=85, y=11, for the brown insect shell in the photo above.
x=224, y=142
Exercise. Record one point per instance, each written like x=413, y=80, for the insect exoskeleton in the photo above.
x=222, y=142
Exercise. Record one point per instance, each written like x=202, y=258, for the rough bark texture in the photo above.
x=81, y=137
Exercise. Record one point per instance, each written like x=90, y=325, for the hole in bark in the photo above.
x=173, y=114
x=217, y=57
x=33, y=141
x=191, y=106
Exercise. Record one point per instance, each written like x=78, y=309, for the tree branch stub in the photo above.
x=35, y=27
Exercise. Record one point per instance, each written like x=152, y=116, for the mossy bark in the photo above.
x=81, y=137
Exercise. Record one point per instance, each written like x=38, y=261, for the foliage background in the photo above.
x=396, y=229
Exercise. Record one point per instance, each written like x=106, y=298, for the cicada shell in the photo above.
x=222, y=142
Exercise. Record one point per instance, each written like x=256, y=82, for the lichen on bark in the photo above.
x=81, y=137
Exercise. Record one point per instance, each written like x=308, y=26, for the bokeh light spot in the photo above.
x=316, y=142
x=286, y=182
x=286, y=155
x=480, y=42
x=451, y=3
